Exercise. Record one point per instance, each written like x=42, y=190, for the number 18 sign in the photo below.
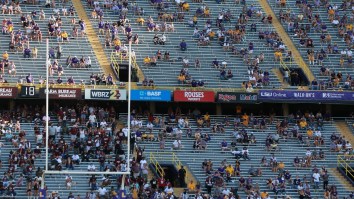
x=28, y=92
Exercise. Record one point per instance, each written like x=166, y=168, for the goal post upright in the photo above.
x=82, y=172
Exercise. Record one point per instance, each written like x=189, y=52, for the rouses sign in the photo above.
x=8, y=92
x=106, y=94
x=193, y=96
x=313, y=96
x=150, y=95
x=61, y=93
x=230, y=97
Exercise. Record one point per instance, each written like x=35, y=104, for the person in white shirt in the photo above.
x=316, y=179
x=181, y=123
x=149, y=126
x=125, y=131
x=143, y=161
x=133, y=55
x=349, y=53
x=163, y=39
x=92, y=118
x=91, y=167
x=103, y=124
x=75, y=158
x=168, y=189
x=343, y=52
x=185, y=62
x=335, y=22
x=308, y=153
x=318, y=133
x=226, y=191
x=88, y=62
x=224, y=63
x=177, y=144
x=102, y=191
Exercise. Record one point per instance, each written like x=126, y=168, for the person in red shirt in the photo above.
x=161, y=183
x=270, y=19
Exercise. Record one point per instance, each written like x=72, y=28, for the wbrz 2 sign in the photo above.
x=106, y=94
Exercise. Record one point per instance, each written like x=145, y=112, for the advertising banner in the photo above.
x=61, y=93
x=150, y=95
x=106, y=94
x=311, y=96
x=231, y=97
x=193, y=96
x=8, y=92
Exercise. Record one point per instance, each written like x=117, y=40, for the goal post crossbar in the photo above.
x=87, y=172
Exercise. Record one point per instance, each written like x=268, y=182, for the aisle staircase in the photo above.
x=93, y=39
x=286, y=39
x=332, y=61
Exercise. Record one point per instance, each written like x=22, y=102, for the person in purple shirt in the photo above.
x=100, y=27
x=110, y=79
x=183, y=45
x=70, y=80
x=27, y=53
x=29, y=78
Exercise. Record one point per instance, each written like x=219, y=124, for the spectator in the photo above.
x=183, y=45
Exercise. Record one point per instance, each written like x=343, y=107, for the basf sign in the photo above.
x=150, y=95
x=106, y=94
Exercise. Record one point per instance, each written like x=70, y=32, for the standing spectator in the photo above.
x=182, y=176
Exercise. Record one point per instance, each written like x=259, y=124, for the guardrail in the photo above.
x=169, y=157
x=156, y=164
x=344, y=161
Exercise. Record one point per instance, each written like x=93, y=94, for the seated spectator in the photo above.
x=147, y=61
x=183, y=45
x=177, y=144
x=223, y=74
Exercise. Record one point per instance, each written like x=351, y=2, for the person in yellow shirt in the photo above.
x=181, y=79
x=10, y=28
x=207, y=12
x=185, y=6
x=309, y=133
x=64, y=35
x=303, y=123
x=195, y=20
x=191, y=186
x=117, y=42
x=277, y=55
x=264, y=195
x=147, y=61
x=140, y=20
x=212, y=34
x=135, y=193
x=230, y=170
x=5, y=56
x=245, y=118
x=281, y=167
x=349, y=27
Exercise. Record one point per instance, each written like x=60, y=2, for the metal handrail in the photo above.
x=158, y=167
x=343, y=162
